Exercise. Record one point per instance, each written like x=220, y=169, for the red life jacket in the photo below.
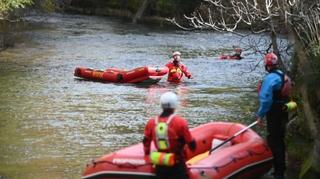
x=175, y=74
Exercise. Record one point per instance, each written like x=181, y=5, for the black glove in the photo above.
x=192, y=145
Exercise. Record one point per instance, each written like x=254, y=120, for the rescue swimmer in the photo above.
x=177, y=69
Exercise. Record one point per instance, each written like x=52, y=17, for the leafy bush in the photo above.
x=8, y=5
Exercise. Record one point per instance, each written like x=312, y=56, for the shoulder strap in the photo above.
x=156, y=120
x=282, y=76
x=170, y=118
x=168, y=121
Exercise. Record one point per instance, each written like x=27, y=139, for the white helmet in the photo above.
x=169, y=100
x=176, y=53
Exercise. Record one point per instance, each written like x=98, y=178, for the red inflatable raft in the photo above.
x=247, y=156
x=146, y=75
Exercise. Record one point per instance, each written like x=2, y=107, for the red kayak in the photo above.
x=246, y=156
x=148, y=75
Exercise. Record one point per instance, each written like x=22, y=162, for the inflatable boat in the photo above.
x=245, y=156
x=145, y=75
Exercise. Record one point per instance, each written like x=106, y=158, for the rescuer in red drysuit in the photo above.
x=177, y=69
x=237, y=54
x=174, y=138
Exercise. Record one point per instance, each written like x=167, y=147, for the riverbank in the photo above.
x=119, y=13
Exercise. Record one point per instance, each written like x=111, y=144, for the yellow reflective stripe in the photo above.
x=173, y=71
x=166, y=159
x=160, y=158
x=154, y=157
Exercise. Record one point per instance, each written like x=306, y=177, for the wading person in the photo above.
x=274, y=92
x=170, y=134
x=177, y=69
x=237, y=54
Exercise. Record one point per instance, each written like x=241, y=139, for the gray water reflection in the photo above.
x=52, y=124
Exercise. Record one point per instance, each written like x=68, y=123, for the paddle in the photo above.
x=232, y=137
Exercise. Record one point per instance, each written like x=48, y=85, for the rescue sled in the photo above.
x=246, y=156
x=146, y=75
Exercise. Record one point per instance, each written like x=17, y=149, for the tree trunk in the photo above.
x=307, y=74
x=141, y=10
x=275, y=48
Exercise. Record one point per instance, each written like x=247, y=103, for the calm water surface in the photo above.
x=52, y=124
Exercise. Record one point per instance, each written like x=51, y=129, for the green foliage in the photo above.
x=164, y=8
x=8, y=5
x=175, y=7
x=134, y=4
x=46, y=5
x=131, y=5
x=315, y=64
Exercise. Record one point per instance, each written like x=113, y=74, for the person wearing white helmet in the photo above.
x=177, y=69
x=170, y=133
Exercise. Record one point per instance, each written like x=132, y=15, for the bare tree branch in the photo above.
x=260, y=16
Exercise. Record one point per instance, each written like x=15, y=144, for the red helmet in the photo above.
x=271, y=59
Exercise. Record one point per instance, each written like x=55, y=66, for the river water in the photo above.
x=52, y=124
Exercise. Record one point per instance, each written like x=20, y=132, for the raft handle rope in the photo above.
x=233, y=159
x=127, y=164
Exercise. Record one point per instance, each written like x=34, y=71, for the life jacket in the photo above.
x=162, y=133
x=175, y=73
x=285, y=90
x=163, y=130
